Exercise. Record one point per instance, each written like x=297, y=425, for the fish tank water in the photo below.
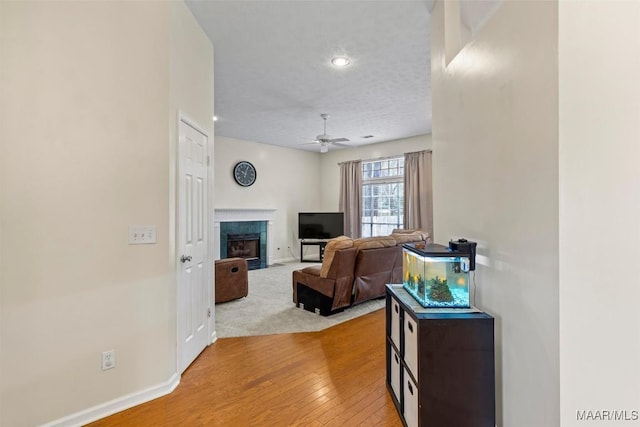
x=436, y=276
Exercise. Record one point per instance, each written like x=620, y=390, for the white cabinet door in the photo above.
x=396, y=367
x=410, y=401
x=395, y=322
x=411, y=344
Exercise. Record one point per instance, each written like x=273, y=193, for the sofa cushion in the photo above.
x=333, y=245
x=313, y=270
x=374, y=242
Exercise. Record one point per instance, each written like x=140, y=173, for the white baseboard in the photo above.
x=275, y=261
x=116, y=405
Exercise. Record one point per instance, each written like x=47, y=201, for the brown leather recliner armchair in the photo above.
x=231, y=279
x=330, y=294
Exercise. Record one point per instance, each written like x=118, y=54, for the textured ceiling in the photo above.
x=273, y=76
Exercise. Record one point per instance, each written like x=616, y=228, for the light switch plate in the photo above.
x=142, y=234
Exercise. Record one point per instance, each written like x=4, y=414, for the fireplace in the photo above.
x=245, y=246
x=245, y=221
x=244, y=239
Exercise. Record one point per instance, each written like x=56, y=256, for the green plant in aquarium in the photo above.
x=409, y=280
x=440, y=290
x=421, y=284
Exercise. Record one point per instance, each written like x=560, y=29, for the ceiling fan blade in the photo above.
x=325, y=140
x=337, y=144
x=338, y=140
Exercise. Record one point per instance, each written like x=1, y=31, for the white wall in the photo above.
x=330, y=171
x=599, y=102
x=191, y=94
x=495, y=143
x=85, y=152
x=287, y=180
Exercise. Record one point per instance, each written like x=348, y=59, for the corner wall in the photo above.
x=495, y=142
x=191, y=94
x=599, y=211
x=85, y=123
x=287, y=180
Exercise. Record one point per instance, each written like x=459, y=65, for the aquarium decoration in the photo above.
x=440, y=291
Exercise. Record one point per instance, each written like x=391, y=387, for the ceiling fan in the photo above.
x=325, y=140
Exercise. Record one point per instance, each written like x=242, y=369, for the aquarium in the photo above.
x=436, y=276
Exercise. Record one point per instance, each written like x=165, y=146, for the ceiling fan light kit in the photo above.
x=324, y=140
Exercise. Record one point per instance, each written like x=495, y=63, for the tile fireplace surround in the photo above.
x=242, y=215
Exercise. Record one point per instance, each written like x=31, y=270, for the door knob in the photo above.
x=185, y=258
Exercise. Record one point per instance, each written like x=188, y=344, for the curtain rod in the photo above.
x=384, y=158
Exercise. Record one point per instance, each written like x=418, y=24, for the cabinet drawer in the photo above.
x=395, y=374
x=410, y=354
x=410, y=401
x=395, y=322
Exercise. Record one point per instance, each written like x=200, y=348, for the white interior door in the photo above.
x=194, y=289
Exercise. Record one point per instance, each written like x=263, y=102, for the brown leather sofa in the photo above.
x=352, y=272
x=373, y=270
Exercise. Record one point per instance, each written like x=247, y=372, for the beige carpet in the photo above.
x=269, y=309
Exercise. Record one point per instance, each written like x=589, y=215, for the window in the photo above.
x=382, y=196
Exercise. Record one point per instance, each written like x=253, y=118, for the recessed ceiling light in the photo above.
x=340, y=61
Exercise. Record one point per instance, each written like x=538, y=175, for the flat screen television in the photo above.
x=320, y=225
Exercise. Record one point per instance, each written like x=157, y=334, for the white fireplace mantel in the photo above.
x=243, y=215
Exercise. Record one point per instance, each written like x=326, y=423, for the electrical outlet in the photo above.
x=108, y=359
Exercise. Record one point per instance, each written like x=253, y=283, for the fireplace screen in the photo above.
x=244, y=246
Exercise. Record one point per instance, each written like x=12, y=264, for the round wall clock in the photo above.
x=244, y=173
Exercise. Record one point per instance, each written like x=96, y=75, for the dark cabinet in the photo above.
x=321, y=244
x=440, y=364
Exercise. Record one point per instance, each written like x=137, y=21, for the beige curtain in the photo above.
x=418, y=191
x=351, y=196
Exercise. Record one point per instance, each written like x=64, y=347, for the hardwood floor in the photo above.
x=334, y=377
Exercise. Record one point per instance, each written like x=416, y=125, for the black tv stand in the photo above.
x=315, y=242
